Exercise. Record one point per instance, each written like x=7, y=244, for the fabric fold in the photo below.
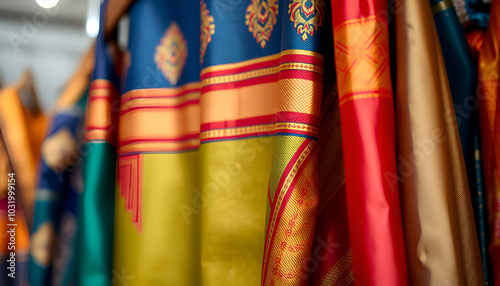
x=438, y=219
x=361, y=46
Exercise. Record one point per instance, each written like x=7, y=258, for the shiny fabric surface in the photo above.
x=461, y=73
x=368, y=135
x=293, y=186
x=475, y=39
x=439, y=225
x=191, y=194
x=255, y=143
x=94, y=242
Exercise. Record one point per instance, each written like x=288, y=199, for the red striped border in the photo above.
x=173, y=151
x=298, y=58
x=107, y=133
x=250, y=135
x=261, y=120
x=247, y=82
x=126, y=98
x=296, y=117
x=301, y=74
x=159, y=140
x=373, y=91
x=130, y=182
x=181, y=105
x=251, y=67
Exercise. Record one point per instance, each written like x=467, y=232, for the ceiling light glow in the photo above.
x=92, y=28
x=47, y=4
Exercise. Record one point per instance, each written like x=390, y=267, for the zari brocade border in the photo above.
x=361, y=46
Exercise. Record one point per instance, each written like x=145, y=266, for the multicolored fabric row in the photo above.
x=280, y=142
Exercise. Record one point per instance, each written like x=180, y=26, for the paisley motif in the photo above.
x=261, y=18
x=42, y=244
x=59, y=150
x=171, y=53
x=307, y=16
x=207, y=29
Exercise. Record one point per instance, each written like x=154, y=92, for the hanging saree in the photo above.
x=202, y=134
x=307, y=239
x=254, y=142
x=95, y=215
x=361, y=43
x=439, y=225
x=475, y=39
x=59, y=186
x=22, y=133
x=23, y=130
x=156, y=237
x=461, y=76
x=488, y=81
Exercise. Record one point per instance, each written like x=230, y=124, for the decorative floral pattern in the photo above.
x=307, y=16
x=42, y=244
x=171, y=54
x=261, y=18
x=207, y=29
x=59, y=150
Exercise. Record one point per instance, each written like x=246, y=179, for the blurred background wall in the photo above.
x=49, y=42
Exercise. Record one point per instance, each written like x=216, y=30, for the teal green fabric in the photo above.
x=462, y=77
x=482, y=212
x=478, y=12
x=96, y=216
x=56, y=201
x=94, y=259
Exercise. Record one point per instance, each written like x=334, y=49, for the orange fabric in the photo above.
x=102, y=108
x=23, y=132
x=475, y=39
x=489, y=83
x=361, y=70
x=239, y=103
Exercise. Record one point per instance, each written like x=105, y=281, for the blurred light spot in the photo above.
x=47, y=4
x=92, y=27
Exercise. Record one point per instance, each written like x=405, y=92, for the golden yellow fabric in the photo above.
x=235, y=177
x=170, y=191
x=441, y=241
x=293, y=186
